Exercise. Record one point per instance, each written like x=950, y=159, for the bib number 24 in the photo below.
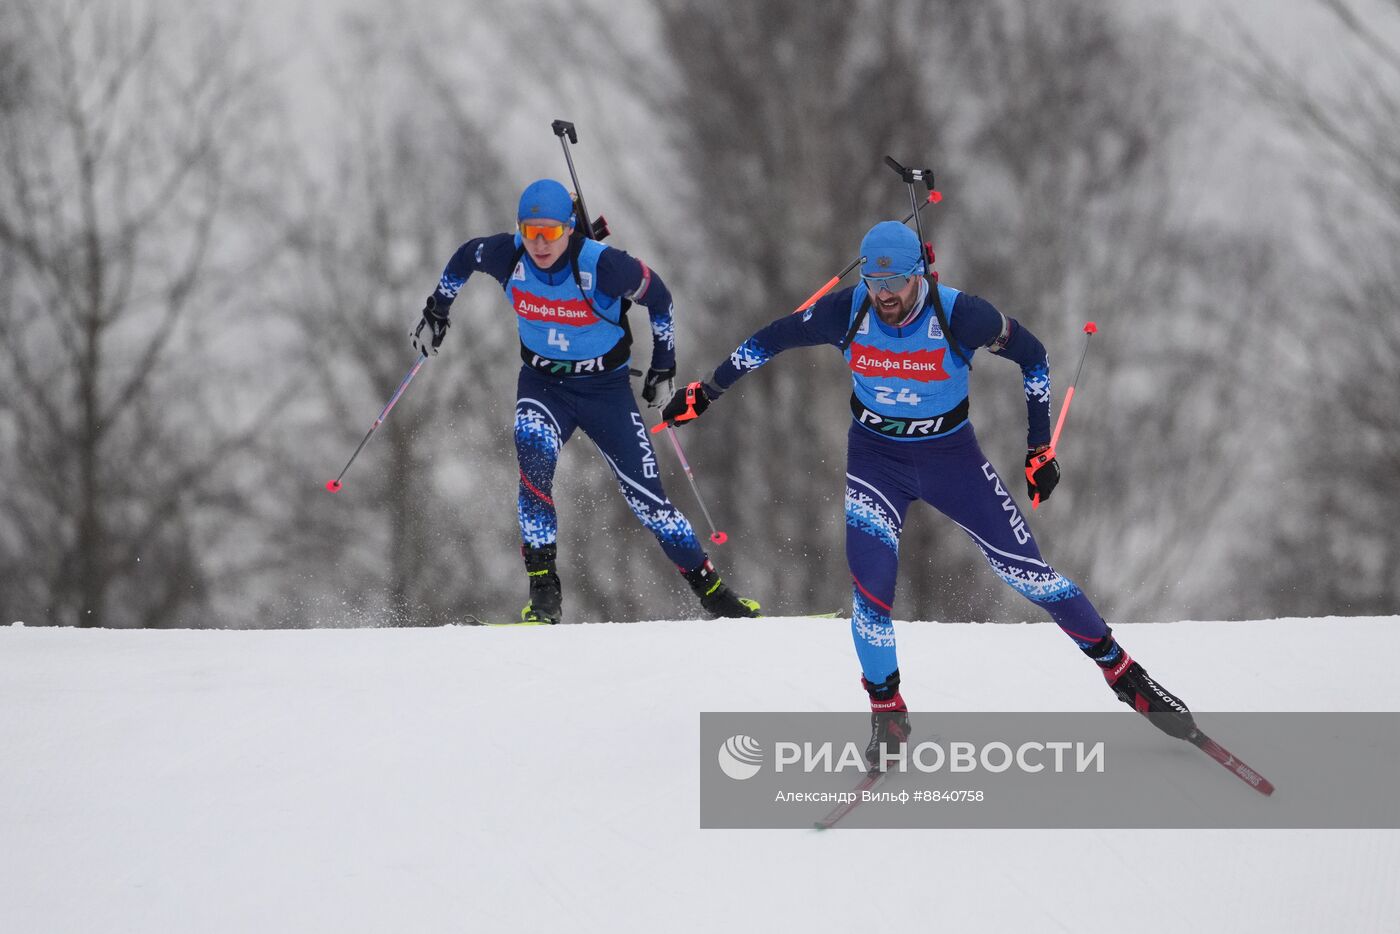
x=887, y=396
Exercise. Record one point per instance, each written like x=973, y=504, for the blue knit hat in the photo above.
x=546, y=199
x=890, y=247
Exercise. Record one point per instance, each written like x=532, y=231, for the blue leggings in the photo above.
x=547, y=410
x=953, y=476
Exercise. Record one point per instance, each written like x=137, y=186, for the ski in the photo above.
x=857, y=794
x=867, y=783
x=470, y=620
x=1222, y=755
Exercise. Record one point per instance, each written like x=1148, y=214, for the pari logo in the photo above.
x=740, y=757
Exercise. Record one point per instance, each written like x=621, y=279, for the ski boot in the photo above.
x=546, y=604
x=715, y=596
x=889, y=721
x=1135, y=687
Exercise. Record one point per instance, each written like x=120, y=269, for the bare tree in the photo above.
x=1076, y=213
x=1335, y=486
x=121, y=171
x=407, y=542
x=14, y=64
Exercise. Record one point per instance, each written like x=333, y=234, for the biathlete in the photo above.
x=570, y=295
x=908, y=341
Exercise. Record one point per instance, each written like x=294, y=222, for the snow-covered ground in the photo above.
x=546, y=779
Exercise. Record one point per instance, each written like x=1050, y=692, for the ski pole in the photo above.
x=568, y=134
x=1090, y=329
x=716, y=536
x=933, y=198
x=334, y=485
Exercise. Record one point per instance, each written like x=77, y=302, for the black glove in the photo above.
x=687, y=403
x=658, y=385
x=435, y=322
x=1042, y=472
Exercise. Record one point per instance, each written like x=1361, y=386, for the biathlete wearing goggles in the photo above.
x=550, y=232
x=892, y=283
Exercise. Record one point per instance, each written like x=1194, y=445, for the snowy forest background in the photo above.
x=218, y=224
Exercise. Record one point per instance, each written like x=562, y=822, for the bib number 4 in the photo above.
x=557, y=339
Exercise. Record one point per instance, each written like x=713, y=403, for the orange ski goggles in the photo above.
x=550, y=232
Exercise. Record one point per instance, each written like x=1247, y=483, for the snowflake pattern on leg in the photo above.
x=537, y=431
x=1038, y=586
x=869, y=515
x=670, y=526
x=537, y=445
x=869, y=621
x=873, y=632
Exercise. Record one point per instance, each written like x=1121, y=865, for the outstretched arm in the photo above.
x=823, y=323
x=491, y=255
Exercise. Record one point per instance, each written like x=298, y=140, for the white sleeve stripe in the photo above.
x=641, y=290
x=1004, y=337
